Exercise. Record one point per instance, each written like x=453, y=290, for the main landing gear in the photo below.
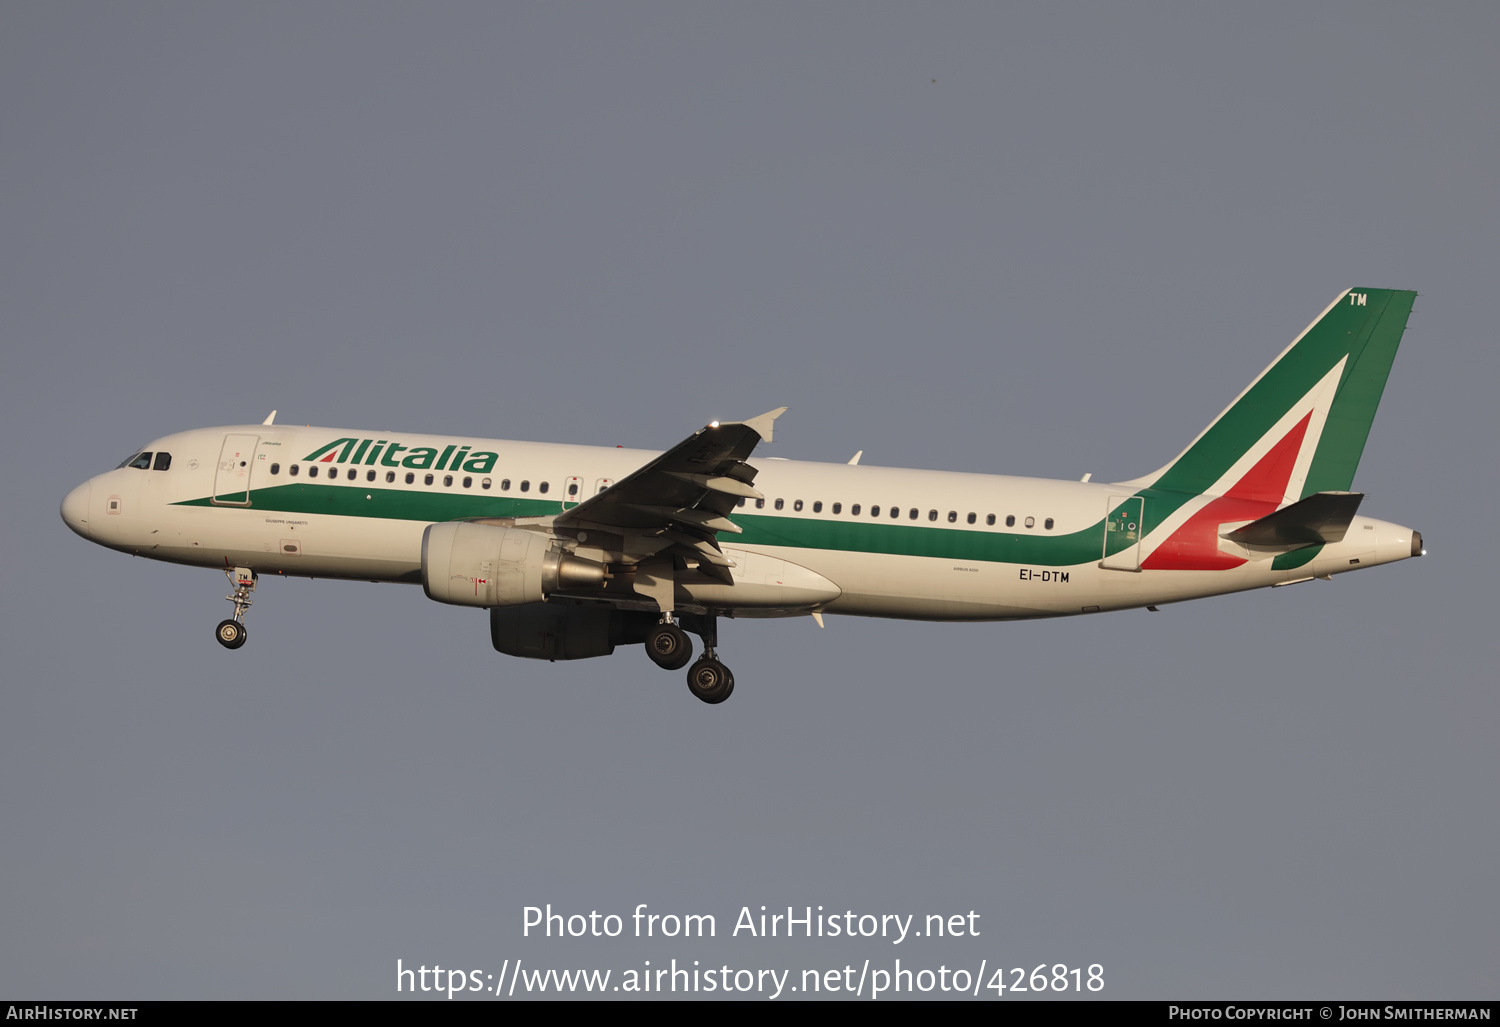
x=710, y=680
x=231, y=633
x=670, y=649
x=668, y=646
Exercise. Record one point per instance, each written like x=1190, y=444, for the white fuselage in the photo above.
x=960, y=547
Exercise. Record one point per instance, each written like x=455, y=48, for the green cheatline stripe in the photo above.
x=915, y=540
x=385, y=504
x=851, y=535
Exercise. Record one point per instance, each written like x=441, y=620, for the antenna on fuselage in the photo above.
x=270, y=418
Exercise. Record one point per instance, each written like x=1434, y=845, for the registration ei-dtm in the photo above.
x=575, y=550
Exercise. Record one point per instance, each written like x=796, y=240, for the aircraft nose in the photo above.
x=75, y=508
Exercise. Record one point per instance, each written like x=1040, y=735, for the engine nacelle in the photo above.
x=489, y=565
x=564, y=631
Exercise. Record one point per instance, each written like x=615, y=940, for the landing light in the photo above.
x=713, y=424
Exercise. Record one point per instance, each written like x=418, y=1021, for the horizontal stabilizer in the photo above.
x=1321, y=517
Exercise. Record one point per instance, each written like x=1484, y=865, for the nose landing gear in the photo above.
x=231, y=633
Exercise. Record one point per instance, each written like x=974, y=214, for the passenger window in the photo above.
x=542, y=487
x=369, y=476
x=163, y=462
x=818, y=506
x=468, y=482
x=312, y=472
x=990, y=519
x=913, y=513
x=142, y=462
x=1047, y=524
x=1010, y=520
x=874, y=511
x=853, y=510
x=525, y=486
x=292, y=470
x=484, y=483
x=780, y=503
x=1031, y=522
x=797, y=506
x=390, y=477
x=410, y=477
x=426, y=479
x=952, y=516
x=973, y=517
x=760, y=504
x=932, y=515
x=572, y=488
x=353, y=473
x=839, y=508
x=741, y=503
x=275, y=468
x=447, y=481
x=504, y=484
x=896, y=512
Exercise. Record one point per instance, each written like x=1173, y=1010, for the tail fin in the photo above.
x=1301, y=426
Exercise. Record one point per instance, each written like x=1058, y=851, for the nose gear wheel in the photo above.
x=231, y=633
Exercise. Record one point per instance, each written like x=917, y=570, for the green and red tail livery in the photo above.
x=1335, y=371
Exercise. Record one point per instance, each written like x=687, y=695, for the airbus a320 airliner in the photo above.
x=575, y=550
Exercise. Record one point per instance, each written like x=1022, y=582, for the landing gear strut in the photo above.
x=667, y=644
x=670, y=648
x=231, y=633
x=709, y=679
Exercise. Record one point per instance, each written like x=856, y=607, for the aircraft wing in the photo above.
x=683, y=497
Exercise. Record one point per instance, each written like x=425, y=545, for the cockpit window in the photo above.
x=163, y=462
x=141, y=460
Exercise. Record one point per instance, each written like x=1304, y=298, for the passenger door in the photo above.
x=232, y=476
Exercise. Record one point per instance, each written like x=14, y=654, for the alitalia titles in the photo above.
x=383, y=453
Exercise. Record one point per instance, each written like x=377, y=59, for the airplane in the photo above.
x=576, y=550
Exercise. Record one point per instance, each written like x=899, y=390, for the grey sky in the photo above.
x=611, y=223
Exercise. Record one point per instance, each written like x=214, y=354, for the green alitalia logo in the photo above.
x=383, y=453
